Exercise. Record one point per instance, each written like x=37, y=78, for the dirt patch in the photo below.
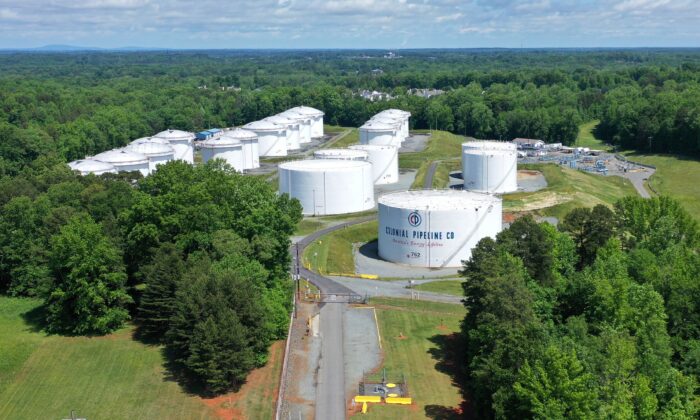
x=509, y=217
x=524, y=173
x=233, y=405
x=542, y=201
x=442, y=328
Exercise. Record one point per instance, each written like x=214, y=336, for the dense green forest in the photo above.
x=596, y=320
x=197, y=256
x=75, y=104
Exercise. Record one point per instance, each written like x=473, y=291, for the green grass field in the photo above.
x=333, y=253
x=441, y=146
x=566, y=190
x=677, y=177
x=110, y=377
x=450, y=287
x=353, y=137
x=586, y=138
x=417, y=342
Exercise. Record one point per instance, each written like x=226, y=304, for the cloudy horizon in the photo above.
x=388, y=24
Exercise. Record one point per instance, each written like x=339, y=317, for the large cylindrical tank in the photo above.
x=435, y=228
x=397, y=122
x=316, y=119
x=327, y=187
x=384, y=160
x=292, y=130
x=342, y=154
x=398, y=113
x=91, y=166
x=125, y=160
x=490, y=166
x=157, y=152
x=182, y=142
x=249, y=140
x=227, y=148
x=304, y=124
x=272, y=138
x=379, y=133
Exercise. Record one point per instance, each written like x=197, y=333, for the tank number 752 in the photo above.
x=413, y=254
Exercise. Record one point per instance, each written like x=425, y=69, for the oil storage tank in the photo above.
x=341, y=154
x=292, y=130
x=325, y=186
x=304, y=124
x=125, y=160
x=316, y=116
x=182, y=142
x=157, y=152
x=490, y=166
x=404, y=116
x=397, y=122
x=435, y=228
x=249, y=140
x=227, y=148
x=272, y=138
x=91, y=166
x=384, y=160
x=379, y=133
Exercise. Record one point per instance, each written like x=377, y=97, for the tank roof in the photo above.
x=295, y=115
x=263, y=126
x=307, y=110
x=322, y=165
x=394, y=111
x=341, y=152
x=437, y=200
x=223, y=141
x=90, y=165
x=151, y=148
x=240, y=134
x=373, y=125
x=281, y=119
x=150, y=140
x=489, y=145
x=175, y=135
x=387, y=119
x=372, y=147
x=121, y=156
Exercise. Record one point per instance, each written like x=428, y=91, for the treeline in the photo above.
x=73, y=105
x=198, y=256
x=598, y=319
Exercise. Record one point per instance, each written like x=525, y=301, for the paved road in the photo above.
x=428, y=182
x=330, y=389
x=637, y=179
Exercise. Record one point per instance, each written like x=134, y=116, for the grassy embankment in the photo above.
x=442, y=146
x=586, y=138
x=419, y=342
x=110, y=377
x=676, y=176
x=567, y=189
x=448, y=287
x=333, y=253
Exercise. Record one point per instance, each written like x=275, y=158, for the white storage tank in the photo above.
x=316, y=119
x=490, y=166
x=125, y=160
x=325, y=186
x=391, y=120
x=379, y=133
x=435, y=228
x=398, y=113
x=341, y=154
x=249, y=140
x=384, y=160
x=157, y=152
x=304, y=124
x=91, y=166
x=272, y=138
x=182, y=142
x=292, y=130
x=227, y=148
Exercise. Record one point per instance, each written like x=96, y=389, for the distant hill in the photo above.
x=77, y=48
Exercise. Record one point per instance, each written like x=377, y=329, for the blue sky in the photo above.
x=389, y=24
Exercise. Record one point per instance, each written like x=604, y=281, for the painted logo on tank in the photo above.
x=414, y=219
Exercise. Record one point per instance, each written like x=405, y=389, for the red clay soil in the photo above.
x=226, y=407
x=509, y=217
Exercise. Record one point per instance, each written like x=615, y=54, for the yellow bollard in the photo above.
x=364, y=408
